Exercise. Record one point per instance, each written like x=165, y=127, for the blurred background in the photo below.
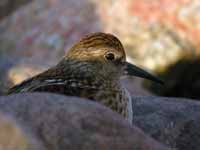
x=161, y=36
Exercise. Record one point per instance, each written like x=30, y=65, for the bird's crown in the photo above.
x=95, y=45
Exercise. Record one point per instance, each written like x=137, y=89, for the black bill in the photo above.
x=133, y=70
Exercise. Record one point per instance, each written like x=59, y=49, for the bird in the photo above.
x=92, y=69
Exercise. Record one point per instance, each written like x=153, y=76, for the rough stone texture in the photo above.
x=71, y=123
x=155, y=34
x=172, y=121
x=14, y=137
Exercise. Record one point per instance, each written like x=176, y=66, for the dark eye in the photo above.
x=110, y=56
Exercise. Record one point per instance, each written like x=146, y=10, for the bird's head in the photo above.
x=105, y=54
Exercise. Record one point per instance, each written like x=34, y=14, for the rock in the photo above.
x=135, y=87
x=156, y=36
x=8, y=6
x=153, y=34
x=73, y=123
x=172, y=121
x=14, y=137
x=181, y=80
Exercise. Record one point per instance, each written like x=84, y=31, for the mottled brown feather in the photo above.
x=85, y=73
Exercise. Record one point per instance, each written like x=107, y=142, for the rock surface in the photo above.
x=155, y=34
x=14, y=137
x=8, y=6
x=181, y=80
x=72, y=123
x=172, y=121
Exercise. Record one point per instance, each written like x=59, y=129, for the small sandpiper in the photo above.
x=91, y=69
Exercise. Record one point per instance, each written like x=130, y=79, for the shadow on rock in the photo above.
x=182, y=79
x=8, y=6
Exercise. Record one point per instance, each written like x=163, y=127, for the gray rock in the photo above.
x=8, y=6
x=172, y=121
x=73, y=123
x=14, y=137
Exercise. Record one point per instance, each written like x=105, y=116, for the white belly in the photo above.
x=129, y=107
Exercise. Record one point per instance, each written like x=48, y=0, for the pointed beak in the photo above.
x=133, y=70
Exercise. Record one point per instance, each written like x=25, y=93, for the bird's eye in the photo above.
x=110, y=56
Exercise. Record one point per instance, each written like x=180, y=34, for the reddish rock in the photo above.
x=155, y=34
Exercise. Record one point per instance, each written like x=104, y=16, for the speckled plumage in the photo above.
x=88, y=71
